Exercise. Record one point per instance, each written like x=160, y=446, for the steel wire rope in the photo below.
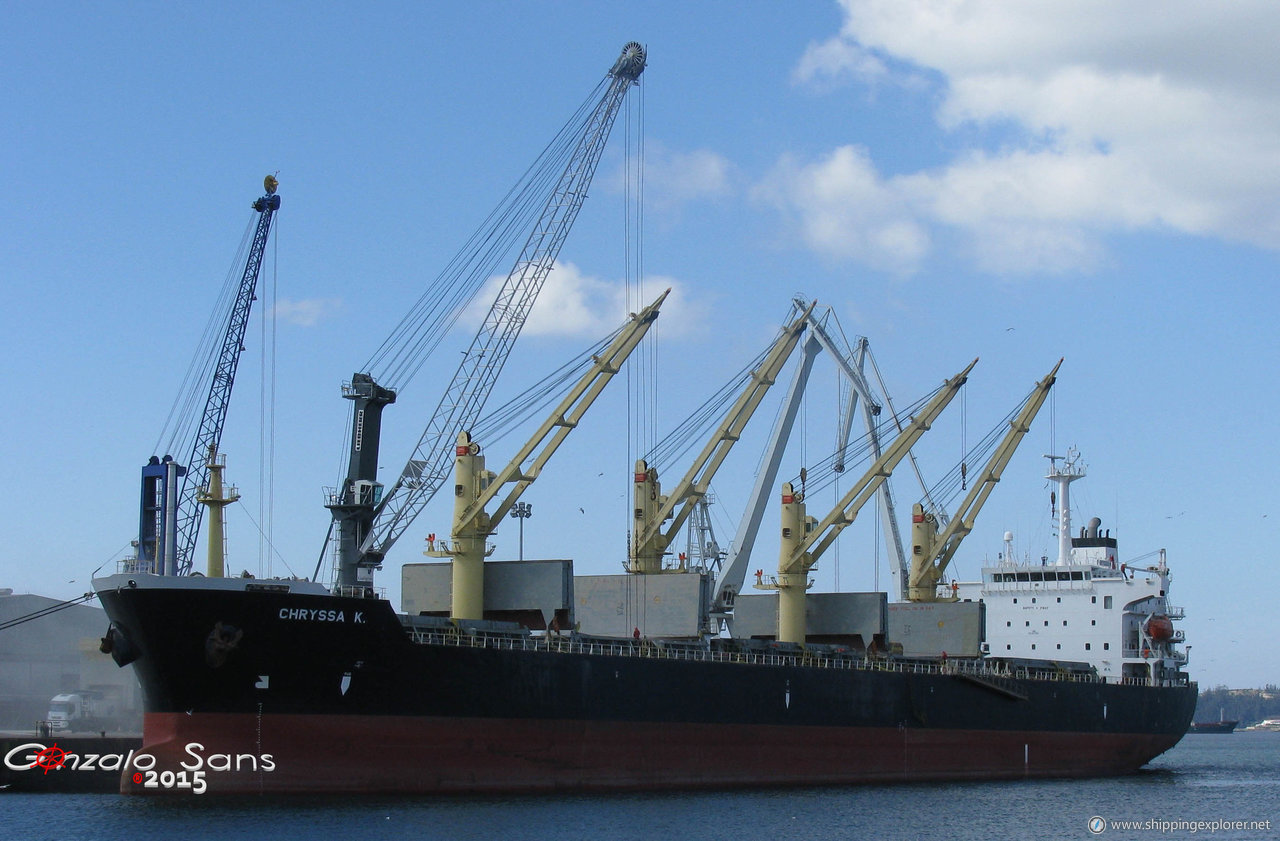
x=680, y=440
x=948, y=488
x=652, y=339
x=183, y=412
x=497, y=424
x=450, y=307
x=267, y=412
x=485, y=236
x=190, y=390
x=264, y=536
x=446, y=299
x=192, y=413
x=46, y=611
x=674, y=445
x=820, y=475
x=402, y=354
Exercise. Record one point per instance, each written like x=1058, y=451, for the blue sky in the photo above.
x=1093, y=181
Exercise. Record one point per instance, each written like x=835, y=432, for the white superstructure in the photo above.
x=1085, y=606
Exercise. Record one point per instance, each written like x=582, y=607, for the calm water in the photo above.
x=1205, y=778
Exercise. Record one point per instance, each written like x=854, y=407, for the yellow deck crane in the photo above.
x=931, y=551
x=475, y=487
x=652, y=508
x=804, y=539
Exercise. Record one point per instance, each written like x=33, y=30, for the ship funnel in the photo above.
x=1094, y=523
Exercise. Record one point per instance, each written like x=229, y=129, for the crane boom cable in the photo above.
x=223, y=371
x=180, y=424
x=820, y=538
x=856, y=452
x=693, y=429
x=934, y=547
x=448, y=297
x=464, y=398
x=497, y=424
x=948, y=488
x=911, y=458
x=267, y=408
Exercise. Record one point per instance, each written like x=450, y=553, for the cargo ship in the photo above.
x=282, y=686
x=521, y=676
x=286, y=685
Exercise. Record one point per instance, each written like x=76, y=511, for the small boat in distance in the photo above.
x=1213, y=727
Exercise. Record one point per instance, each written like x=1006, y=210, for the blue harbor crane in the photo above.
x=170, y=516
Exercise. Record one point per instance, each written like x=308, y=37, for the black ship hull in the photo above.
x=272, y=691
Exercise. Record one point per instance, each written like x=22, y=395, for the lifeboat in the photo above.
x=1160, y=628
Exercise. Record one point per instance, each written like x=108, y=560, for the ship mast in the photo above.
x=1064, y=474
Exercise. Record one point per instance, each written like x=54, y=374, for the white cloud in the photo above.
x=1090, y=117
x=307, y=312
x=844, y=208
x=673, y=179
x=575, y=304
x=678, y=177
x=837, y=57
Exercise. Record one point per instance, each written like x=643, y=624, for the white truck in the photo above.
x=82, y=710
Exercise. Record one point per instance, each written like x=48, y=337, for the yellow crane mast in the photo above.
x=931, y=551
x=652, y=508
x=804, y=539
x=475, y=487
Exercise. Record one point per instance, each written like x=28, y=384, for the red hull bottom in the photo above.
x=242, y=754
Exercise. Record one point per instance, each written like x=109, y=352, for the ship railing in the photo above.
x=1175, y=612
x=1180, y=679
x=1155, y=654
x=653, y=649
x=358, y=591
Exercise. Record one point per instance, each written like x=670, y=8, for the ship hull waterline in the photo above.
x=412, y=755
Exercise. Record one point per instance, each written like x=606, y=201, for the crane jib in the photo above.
x=170, y=521
x=366, y=535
